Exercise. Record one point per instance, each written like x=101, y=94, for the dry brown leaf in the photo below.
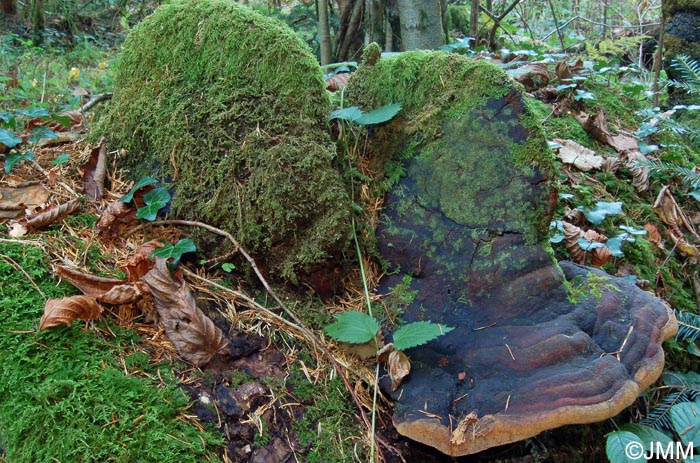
x=124, y=294
x=337, y=82
x=17, y=230
x=532, y=76
x=113, y=218
x=399, y=366
x=600, y=256
x=611, y=165
x=581, y=157
x=64, y=311
x=563, y=71
x=89, y=285
x=194, y=335
x=95, y=171
x=61, y=137
x=14, y=200
x=575, y=217
x=640, y=172
x=51, y=214
x=571, y=235
x=140, y=264
x=653, y=234
x=670, y=212
x=459, y=434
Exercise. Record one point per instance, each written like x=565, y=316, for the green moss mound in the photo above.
x=230, y=107
x=456, y=104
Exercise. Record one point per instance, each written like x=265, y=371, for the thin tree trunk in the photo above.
x=37, y=12
x=556, y=25
x=658, y=63
x=605, y=19
x=324, y=32
x=353, y=21
x=421, y=24
x=8, y=7
x=474, y=22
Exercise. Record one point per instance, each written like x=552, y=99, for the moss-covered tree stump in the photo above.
x=230, y=108
x=464, y=231
x=681, y=20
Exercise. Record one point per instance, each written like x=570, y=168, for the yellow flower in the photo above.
x=34, y=82
x=74, y=73
x=102, y=65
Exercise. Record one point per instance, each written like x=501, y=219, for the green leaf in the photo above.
x=624, y=447
x=589, y=245
x=646, y=434
x=8, y=138
x=155, y=200
x=615, y=244
x=11, y=160
x=633, y=231
x=168, y=251
x=380, y=115
x=144, y=181
x=61, y=159
x=40, y=133
x=645, y=130
x=561, y=87
x=418, y=333
x=601, y=211
x=583, y=95
x=63, y=120
x=693, y=349
x=686, y=421
x=353, y=327
x=646, y=149
x=695, y=195
x=352, y=113
x=33, y=113
x=228, y=267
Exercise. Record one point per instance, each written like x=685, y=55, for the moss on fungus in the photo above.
x=230, y=107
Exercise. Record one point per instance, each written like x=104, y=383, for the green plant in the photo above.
x=13, y=123
x=155, y=200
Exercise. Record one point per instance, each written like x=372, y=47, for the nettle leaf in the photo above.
x=61, y=159
x=155, y=200
x=11, y=160
x=600, y=211
x=351, y=113
x=380, y=115
x=175, y=252
x=144, y=181
x=9, y=139
x=621, y=446
x=418, y=333
x=353, y=327
x=686, y=421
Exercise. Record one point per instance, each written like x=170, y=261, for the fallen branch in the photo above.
x=99, y=98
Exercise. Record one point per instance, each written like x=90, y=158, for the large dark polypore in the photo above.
x=467, y=227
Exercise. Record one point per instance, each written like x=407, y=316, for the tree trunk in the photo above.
x=474, y=22
x=421, y=24
x=324, y=32
x=37, y=12
x=8, y=7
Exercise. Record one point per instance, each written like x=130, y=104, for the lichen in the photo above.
x=232, y=113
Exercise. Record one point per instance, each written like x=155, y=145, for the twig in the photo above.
x=19, y=267
x=94, y=100
x=46, y=174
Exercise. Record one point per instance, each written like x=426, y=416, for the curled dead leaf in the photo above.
x=113, y=218
x=65, y=311
x=571, y=235
x=194, y=335
x=140, y=264
x=399, y=366
x=532, y=76
x=640, y=171
x=51, y=214
x=95, y=171
x=611, y=165
x=653, y=234
x=459, y=434
x=575, y=217
x=563, y=71
x=600, y=256
x=89, y=285
x=337, y=82
x=124, y=294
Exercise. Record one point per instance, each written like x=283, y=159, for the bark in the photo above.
x=324, y=32
x=37, y=11
x=351, y=26
x=8, y=7
x=421, y=24
x=474, y=22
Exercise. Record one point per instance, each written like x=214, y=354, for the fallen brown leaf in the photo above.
x=14, y=200
x=140, y=264
x=113, y=218
x=459, y=434
x=95, y=171
x=64, y=311
x=51, y=214
x=124, y=294
x=337, y=82
x=194, y=335
x=600, y=256
x=581, y=157
x=89, y=285
x=399, y=366
x=653, y=234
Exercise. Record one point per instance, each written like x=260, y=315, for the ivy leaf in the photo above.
x=175, y=252
x=615, y=244
x=633, y=231
x=601, y=211
x=353, y=327
x=61, y=159
x=418, y=333
x=583, y=95
x=351, y=113
x=41, y=133
x=380, y=115
x=589, y=245
x=11, y=160
x=686, y=420
x=561, y=87
x=155, y=200
x=63, y=120
x=8, y=138
x=33, y=113
x=622, y=443
x=144, y=181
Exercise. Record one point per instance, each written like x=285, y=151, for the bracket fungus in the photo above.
x=536, y=344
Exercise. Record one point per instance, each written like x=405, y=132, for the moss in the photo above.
x=236, y=125
x=671, y=6
x=457, y=19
